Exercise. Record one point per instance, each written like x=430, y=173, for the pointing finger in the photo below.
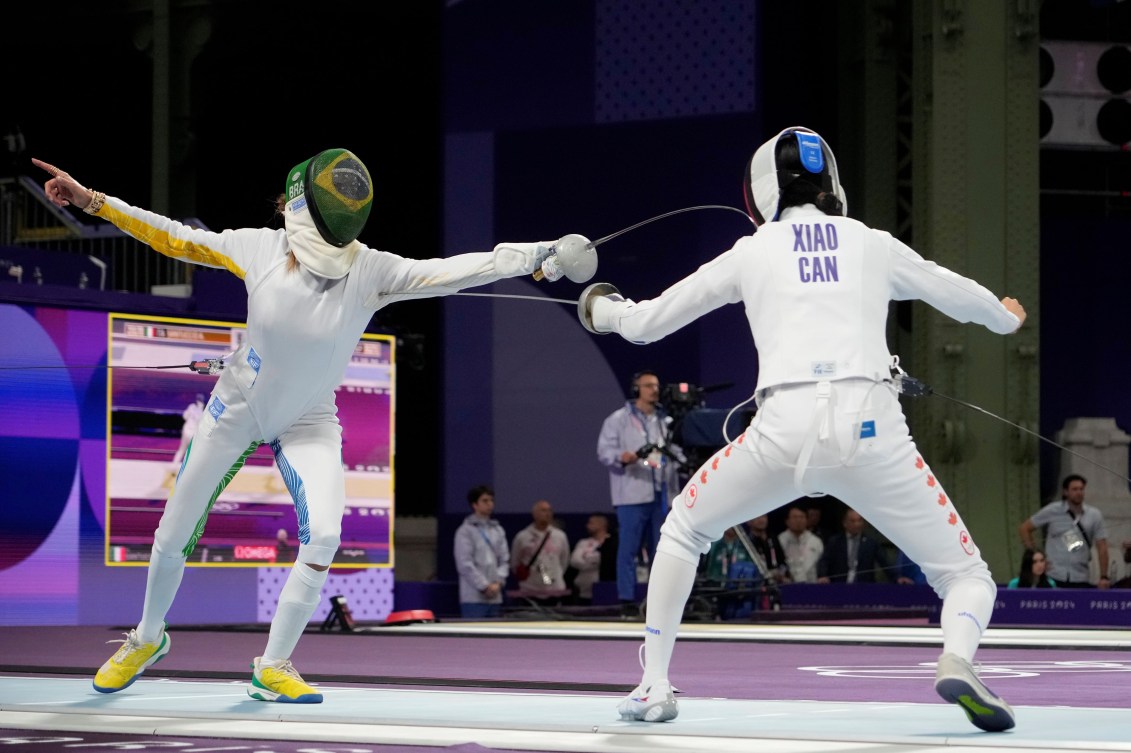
x=46, y=166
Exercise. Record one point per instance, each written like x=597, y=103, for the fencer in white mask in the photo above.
x=313, y=287
x=816, y=287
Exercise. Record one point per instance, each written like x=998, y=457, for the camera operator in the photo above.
x=635, y=445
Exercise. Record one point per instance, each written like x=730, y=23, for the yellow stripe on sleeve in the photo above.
x=160, y=240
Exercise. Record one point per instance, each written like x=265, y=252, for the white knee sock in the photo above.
x=165, y=573
x=965, y=616
x=297, y=603
x=669, y=585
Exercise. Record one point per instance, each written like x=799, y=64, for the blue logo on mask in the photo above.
x=812, y=156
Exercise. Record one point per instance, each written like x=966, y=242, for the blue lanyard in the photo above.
x=643, y=419
x=639, y=416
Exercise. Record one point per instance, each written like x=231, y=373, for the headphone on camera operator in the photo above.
x=634, y=386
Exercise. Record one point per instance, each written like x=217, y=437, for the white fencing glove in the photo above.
x=514, y=259
x=599, y=307
x=605, y=311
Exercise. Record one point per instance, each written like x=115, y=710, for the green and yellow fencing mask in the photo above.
x=328, y=198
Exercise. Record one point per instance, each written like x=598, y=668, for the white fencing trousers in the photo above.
x=884, y=478
x=309, y=458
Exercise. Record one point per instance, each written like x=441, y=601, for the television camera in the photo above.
x=698, y=430
x=680, y=398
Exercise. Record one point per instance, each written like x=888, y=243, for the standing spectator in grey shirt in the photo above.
x=1071, y=529
x=482, y=557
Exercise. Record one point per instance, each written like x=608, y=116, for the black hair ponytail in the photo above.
x=830, y=204
x=801, y=191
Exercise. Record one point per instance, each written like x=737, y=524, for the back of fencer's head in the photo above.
x=807, y=187
x=793, y=168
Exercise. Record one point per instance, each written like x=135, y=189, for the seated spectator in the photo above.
x=482, y=557
x=594, y=558
x=802, y=547
x=722, y=557
x=813, y=515
x=769, y=547
x=819, y=524
x=907, y=572
x=1032, y=575
x=851, y=556
x=729, y=564
x=540, y=556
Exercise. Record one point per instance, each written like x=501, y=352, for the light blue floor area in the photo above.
x=542, y=721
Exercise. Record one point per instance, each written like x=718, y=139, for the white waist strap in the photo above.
x=820, y=429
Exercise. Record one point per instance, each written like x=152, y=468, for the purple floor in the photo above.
x=743, y=670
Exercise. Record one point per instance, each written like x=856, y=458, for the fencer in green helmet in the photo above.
x=312, y=290
x=328, y=198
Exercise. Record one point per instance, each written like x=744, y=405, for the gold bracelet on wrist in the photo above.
x=97, y=199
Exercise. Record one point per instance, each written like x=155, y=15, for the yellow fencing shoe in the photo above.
x=280, y=683
x=127, y=664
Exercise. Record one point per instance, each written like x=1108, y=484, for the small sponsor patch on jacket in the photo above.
x=867, y=429
x=216, y=408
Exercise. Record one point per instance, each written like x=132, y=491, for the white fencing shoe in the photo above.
x=653, y=704
x=956, y=682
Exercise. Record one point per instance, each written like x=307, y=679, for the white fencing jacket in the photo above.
x=816, y=290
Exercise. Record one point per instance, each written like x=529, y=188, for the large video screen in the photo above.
x=150, y=419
